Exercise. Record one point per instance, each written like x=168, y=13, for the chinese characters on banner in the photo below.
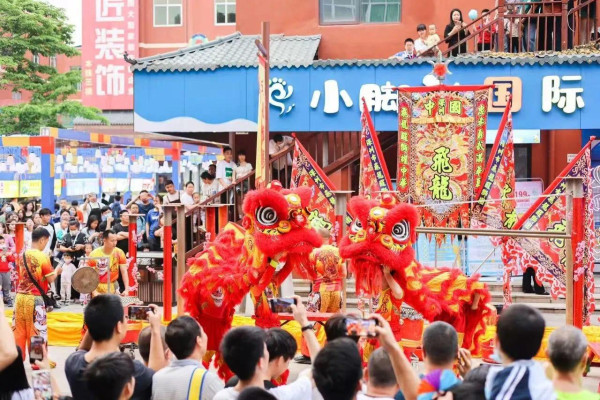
x=374, y=175
x=110, y=28
x=262, y=160
x=547, y=256
x=306, y=172
x=441, y=150
x=495, y=206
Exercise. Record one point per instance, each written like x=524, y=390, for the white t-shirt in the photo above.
x=186, y=199
x=225, y=171
x=241, y=171
x=210, y=190
x=420, y=46
x=276, y=148
x=362, y=396
x=301, y=389
x=87, y=208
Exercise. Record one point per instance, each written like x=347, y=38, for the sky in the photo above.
x=73, y=11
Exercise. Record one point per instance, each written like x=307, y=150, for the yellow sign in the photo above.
x=9, y=189
x=57, y=187
x=30, y=189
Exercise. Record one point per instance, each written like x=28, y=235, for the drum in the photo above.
x=85, y=280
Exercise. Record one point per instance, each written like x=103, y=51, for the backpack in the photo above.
x=116, y=209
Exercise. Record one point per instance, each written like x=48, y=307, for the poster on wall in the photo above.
x=80, y=187
x=451, y=253
x=9, y=189
x=527, y=192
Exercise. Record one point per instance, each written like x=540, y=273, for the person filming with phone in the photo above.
x=35, y=274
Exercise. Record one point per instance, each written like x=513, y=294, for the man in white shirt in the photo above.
x=187, y=342
x=244, y=349
x=91, y=202
x=282, y=168
x=379, y=376
x=226, y=168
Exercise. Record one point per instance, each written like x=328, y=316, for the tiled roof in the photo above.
x=583, y=55
x=235, y=50
x=114, y=117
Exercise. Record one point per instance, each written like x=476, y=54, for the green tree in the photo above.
x=29, y=27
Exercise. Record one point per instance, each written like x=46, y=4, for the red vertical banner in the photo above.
x=110, y=28
x=403, y=172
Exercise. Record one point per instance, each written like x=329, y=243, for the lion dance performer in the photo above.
x=379, y=245
x=245, y=259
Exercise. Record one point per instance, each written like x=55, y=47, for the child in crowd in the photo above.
x=485, y=37
x=519, y=334
x=433, y=38
x=84, y=298
x=6, y=257
x=68, y=269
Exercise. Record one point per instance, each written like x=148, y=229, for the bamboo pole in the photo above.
x=493, y=232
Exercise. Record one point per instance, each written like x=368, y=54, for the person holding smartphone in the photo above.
x=13, y=378
x=456, y=31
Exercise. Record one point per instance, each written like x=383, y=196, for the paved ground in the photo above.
x=60, y=354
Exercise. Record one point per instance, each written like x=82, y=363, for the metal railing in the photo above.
x=519, y=26
x=281, y=167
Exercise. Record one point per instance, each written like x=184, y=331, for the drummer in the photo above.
x=117, y=262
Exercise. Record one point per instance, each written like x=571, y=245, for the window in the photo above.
x=356, y=11
x=380, y=11
x=35, y=59
x=16, y=95
x=167, y=12
x=224, y=12
x=78, y=84
x=339, y=11
x=53, y=61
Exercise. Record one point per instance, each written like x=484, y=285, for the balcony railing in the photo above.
x=517, y=27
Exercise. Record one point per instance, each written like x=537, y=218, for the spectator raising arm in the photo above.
x=407, y=379
x=308, y=332
x=8, y=346
x=157, y=359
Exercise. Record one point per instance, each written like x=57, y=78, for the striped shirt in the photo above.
x=521, y=380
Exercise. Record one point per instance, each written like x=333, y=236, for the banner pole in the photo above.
x=575, y=186
x=569, y=253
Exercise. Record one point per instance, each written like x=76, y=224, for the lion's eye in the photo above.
x=266, y=216
x=401, y=231
x=356, y=226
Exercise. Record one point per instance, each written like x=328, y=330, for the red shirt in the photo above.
x=5, y=259
x=486, y=35
x=40, y=267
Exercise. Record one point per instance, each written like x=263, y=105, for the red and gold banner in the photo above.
x=306, y=172
x=547, y=256
x=495, y=201
x=374, y=175
x=441, y=150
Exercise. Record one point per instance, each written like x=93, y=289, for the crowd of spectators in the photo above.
x=171, y=365
x=529, y=26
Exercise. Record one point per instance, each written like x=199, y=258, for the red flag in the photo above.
x=306, y=172
x=547, y=256
x=495, y=201
x=374, y=175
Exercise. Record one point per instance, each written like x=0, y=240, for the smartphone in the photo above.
x=282, y=305
x=41, y=384
x=36, y=349
x=138, y=313
x=360, y=327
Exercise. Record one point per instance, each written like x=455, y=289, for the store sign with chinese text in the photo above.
x=110, y=28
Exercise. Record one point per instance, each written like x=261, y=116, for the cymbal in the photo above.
x=85, y=280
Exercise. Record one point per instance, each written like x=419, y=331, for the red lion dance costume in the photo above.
x=382, y=235
x=244, y=260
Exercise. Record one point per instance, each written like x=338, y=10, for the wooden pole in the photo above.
x=569, y=253
x=266, y=42
x=493, y=232
x=181, y=246
x=575, y=187
x=168, y=263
